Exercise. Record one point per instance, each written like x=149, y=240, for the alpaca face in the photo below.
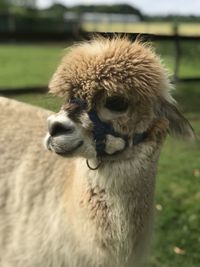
x=73, y=131
x=115, y=91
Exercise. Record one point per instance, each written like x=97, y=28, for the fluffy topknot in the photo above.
x=112, y=66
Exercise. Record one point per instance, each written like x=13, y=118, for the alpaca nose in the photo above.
x=60, y=125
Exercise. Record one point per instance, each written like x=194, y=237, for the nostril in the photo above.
x=58, y=128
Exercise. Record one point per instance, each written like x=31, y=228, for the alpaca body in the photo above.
x=53, y=214
x=55, y=210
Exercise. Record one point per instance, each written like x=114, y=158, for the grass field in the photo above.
x=177, y=224
x=28, y=65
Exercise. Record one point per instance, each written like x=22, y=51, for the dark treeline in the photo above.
x=117, y=9
x=29, y=7
x=59, y=9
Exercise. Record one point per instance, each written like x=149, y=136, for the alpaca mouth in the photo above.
x=64, y=152
x=61, y=149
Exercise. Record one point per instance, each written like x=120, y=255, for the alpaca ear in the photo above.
x=179, y=126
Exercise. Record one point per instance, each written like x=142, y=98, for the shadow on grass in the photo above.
x=46, y=101
x=188, y=97
x=186, y=94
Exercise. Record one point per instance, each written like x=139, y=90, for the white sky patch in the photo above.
x=164, y=7
x=88, y=2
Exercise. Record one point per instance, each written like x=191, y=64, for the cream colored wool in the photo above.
x=55, y=211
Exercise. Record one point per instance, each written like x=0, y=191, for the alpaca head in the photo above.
x=115, y=91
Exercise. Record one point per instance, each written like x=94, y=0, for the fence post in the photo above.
x=11, y=23
x=177, y=52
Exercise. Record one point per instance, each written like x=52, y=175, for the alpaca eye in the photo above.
x=116, y=103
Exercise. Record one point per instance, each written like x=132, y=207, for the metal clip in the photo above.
x=91, y=168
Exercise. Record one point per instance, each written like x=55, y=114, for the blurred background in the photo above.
x=34, y=34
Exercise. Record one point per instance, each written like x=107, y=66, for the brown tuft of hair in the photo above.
x=113, y=66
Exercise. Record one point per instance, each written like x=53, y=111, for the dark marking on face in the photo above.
x=74, y=111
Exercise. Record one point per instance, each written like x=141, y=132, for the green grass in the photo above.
x=188, y=97
x=46, y=101
x=177, y=224
x=189, y=59
x=28, y=65
x=178, y=192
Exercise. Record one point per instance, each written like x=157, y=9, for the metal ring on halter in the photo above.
x=91, y=168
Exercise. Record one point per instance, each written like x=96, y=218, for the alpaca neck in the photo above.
x=107, y=205
x=122, y=180
x=119, y=176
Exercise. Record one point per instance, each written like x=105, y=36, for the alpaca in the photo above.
x=88, y=199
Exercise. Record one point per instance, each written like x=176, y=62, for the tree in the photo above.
x=117, y=9
x=24, y=3
x=57, y=10
x=4, y=5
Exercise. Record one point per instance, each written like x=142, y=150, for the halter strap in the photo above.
x=101, y=129
x=139, y=137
